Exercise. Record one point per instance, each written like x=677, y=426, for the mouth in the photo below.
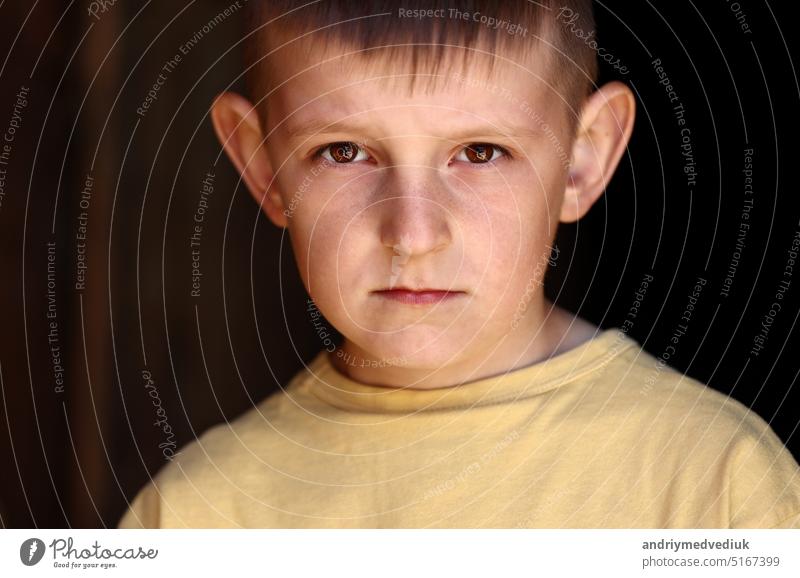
x=418, y=296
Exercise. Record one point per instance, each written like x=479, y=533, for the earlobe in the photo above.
x=238, y=129
x=604, y=130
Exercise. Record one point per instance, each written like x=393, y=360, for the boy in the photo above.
x=420, y=158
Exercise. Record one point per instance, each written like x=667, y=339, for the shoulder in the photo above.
x=193, y=488
x=647, y=387
x=656, y=389
x=701, y=433
x=232, y=441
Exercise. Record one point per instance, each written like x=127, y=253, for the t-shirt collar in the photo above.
x=330, y=385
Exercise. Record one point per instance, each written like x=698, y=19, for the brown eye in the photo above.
x=340, y=152
x=481, y=153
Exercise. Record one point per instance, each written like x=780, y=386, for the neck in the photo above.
x=544, y=333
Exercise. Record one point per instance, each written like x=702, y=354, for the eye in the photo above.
x=480, y=153
x=341, y=153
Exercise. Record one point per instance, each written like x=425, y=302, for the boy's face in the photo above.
x=459, y=189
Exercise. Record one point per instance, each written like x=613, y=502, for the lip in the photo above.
x=418, y=296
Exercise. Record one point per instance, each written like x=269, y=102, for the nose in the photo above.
x=414, y=218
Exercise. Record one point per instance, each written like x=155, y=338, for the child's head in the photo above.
x=407, y=145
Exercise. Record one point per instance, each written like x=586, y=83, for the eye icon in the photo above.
x=31, y=551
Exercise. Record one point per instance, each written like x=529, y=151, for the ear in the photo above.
x=603, y=133
x=238, y=129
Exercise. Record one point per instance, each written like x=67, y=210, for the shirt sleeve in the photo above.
x=764, y=479
x=144, y=511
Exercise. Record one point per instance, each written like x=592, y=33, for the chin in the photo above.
x=415, y=348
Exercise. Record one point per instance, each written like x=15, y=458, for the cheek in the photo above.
x=515, y=242
x=328, y=243
x=522, y=216
x=315, y=246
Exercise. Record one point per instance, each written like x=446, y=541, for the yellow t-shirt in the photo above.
x=601, y=436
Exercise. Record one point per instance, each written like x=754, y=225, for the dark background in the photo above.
x=73, y=457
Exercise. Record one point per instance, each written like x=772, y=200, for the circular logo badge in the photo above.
x=31, y=551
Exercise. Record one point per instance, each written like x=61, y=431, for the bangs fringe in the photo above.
x=378, y=35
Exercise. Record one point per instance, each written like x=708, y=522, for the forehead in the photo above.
x=459, y=86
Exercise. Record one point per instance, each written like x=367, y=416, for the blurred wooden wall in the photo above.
x=35, y=452
x=72, y=455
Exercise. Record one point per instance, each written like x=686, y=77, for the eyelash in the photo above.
x=506, y=154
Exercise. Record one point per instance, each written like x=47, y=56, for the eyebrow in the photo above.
x=315, y=126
